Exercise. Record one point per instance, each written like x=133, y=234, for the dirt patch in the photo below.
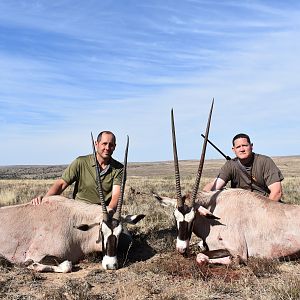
x=164, y=276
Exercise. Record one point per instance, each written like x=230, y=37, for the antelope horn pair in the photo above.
x=180, y=202
x=117, y=214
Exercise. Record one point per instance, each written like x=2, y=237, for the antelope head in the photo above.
x=185, y=213
x=111, y=226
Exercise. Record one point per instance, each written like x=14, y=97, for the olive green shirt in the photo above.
x=82, y=172
x=263, y=172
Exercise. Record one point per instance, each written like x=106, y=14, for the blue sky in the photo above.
x=72, y=67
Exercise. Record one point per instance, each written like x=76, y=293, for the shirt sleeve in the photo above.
x=118, y=177
x=272, y=173
x=226, y=172
x=70, y=174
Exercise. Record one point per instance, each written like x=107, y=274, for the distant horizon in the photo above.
x=144, y=162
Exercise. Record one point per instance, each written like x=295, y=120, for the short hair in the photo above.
x=241, y=136
x=106, y=132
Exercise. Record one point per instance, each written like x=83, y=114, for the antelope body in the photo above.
x=246, y=224
x=249, y=225
x=58, y=230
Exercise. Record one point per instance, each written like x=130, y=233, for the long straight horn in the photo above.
x=117, y=215
x=176, y=165
x=99, y=185
x=198, y=177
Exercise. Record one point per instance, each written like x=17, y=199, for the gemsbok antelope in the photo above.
x=62, y=230
x=233, y=223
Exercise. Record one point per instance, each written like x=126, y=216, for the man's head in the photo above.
x=242, y=146
x=105, y=144
x=106, y=132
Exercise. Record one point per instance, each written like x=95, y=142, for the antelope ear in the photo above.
x=133, y=219
x=86, y=227
x=206, y=213
x=165, y=201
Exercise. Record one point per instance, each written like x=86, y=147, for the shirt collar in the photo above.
x=103, y=172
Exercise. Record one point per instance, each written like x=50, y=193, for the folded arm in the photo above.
x=275, y=191
x=216, y=184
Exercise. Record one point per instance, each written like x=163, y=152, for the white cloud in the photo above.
x=124, y=68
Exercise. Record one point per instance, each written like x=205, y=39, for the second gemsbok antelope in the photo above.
x=233, y=223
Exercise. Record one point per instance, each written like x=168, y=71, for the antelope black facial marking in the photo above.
x=110, y=236
x=184, y=222
x=111, y=245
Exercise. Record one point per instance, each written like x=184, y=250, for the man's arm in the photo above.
x=56, y=189
x=216, y=184
x=275, y=191
x=116, y=190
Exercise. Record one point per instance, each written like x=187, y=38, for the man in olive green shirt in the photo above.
x=82, y=172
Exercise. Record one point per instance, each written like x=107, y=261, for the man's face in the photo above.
x=106, y=146
x=242, y=148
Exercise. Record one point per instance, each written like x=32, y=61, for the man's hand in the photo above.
x=38, y=200
x=56, y=189
x=110, y=211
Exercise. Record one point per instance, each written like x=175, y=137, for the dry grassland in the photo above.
x=151, y=269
